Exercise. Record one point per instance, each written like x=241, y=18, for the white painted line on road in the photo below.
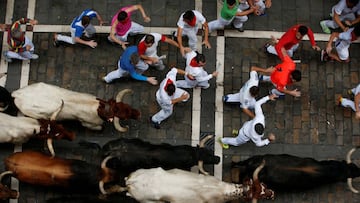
x=220, y=57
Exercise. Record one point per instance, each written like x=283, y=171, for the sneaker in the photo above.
x=156, y=125
x=322, y=55
x=224, y=146
x=225, y=98
x=235, y=132
x=324, y=27
x=173, y=36
x=350, y=92
x=240, y=29
x=338, y=101
x=162, y=57
x=6, y=57
x=34, y=56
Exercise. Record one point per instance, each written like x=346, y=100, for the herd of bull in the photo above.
x=147, y=172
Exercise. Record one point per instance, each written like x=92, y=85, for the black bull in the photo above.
x=133, y=154
x=286, y=172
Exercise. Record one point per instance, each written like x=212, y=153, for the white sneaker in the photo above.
x=34, y=56
x=162, y=57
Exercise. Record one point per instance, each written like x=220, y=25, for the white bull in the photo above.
x=179, y=186
x=39, y=100
x=20, y=129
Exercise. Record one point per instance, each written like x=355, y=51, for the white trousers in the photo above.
x=26, y=55
x=89, y=32
x=348, y=103
x=191, y=34
x=236, y=141
x=187, y=83
x=135, y=28
x=219, y=24
x=166, y=109
x=332, y=24
x=290, y=52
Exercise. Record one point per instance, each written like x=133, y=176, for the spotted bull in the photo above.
x=179, y=186
x=133, y=154
x=39, y=100
x=286, y=172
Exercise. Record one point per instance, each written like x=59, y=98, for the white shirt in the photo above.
x=161, y=94
x=357, y=90
x=198, y=72
x=249, y=126
x=342, y=9
x=152, y=50
x=247, y=101
x=199, y=19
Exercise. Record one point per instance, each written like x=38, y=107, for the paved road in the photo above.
x=312, y=126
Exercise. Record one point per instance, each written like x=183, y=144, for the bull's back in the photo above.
x=17, y=129
x=40, y=100
x=40, y=169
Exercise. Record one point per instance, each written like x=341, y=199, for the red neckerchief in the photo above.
x=193, y=63
x=168, y=82
x=353, y=36
x=192, y=23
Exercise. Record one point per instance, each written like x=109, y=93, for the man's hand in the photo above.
x=207, y=44
x=316, y=48
x=152, y=80
x=147, y=19
x=33, y=22
x=271, y=137
x=28, y=47
x=328, y=49
x=295, y=93
x=92, y=44
x=215, y=74
x=272, y=97
x=184, y=96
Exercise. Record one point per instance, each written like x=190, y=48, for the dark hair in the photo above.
x=149, y=39
x=357, y=30
x=303, y=30
x=259, y=128
x=170, y=89
x=231, y=2
x=254, y=91
x=188, y=15
x=200, y=57
x=122, y=16
x=17, y=33
x=353, y=2
x=85, y=20
x=134, y=58
x=296, y=75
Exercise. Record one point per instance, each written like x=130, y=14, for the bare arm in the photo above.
x=100, y=19
x=179, y=39
x=265, y=71
x=248, y=112
x=90, y=43
x=142, y=11
x=206, y=36
x=338, y=21
x=112, y=35
x=294, y=92
x=172, y=42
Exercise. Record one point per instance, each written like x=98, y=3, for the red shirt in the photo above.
x=281, y=75
x=289, y=39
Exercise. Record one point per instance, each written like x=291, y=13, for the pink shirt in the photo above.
x=122, y=27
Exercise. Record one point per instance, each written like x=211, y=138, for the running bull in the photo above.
x=178, y=186
x=133, y=154
x=39, y=100
x=40, y=169
x=286, y=172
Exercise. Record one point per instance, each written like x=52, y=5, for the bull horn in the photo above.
x=204, y=140
x=200, y=162
x=56, y=113
x=4, y=174
x=116, y=189
x=4, y=108
x=119, y=98
x=348, y=161
x=257, y=170
x=101, y=182
x=50, y=146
